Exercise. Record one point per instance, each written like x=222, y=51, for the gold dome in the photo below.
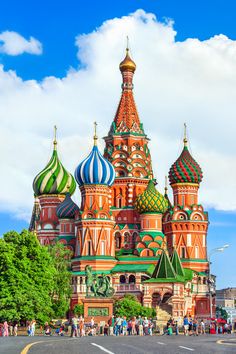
x=127, y=64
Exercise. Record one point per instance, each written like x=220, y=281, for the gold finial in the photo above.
x=166, y=185
x=127, y=64
x=185, y=135
x=55, y=137
x=95, y=137
x=127, y=44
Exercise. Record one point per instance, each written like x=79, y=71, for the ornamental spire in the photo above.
x=185, y=140
x=55, y=138
x=95, y=137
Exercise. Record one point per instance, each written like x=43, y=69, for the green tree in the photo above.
x=27, y=274
x=79, y=309
x=62, y=280
x=221, y=313
x=129, y=306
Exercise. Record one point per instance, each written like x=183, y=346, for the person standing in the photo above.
x=73, y=327
x=111, y=324
x=176, y=328
x=5, y=329
x=124, y=326
x=133, y=326
x=15, y=328
x=33, y=323
x=140, y=326
x=118, y=325
x=186, y=325
x=203, y=327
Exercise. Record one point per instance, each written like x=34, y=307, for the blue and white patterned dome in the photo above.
x=95, y=169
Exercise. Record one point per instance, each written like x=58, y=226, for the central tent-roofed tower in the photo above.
x=127, y=149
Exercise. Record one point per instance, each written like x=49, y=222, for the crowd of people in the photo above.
x=117, y=326
x=121, y=326
x=9, y=329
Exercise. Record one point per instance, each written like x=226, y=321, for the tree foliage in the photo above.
x=30, y=279
x=130, y=307
x=221, y=313
x=79, y=310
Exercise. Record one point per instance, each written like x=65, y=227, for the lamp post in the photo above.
x=214, y=250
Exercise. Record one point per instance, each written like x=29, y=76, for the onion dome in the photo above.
x=151, y=201
x=95, y=169
x=127, y=64
x=67, y=208
x=54, y=178
x=185, y=169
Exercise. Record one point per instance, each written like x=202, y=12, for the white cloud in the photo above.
x=175, y=82
x=12, y=43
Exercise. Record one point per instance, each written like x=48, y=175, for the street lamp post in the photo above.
x=214, y=250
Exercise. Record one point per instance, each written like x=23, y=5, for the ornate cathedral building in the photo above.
x=124, y=227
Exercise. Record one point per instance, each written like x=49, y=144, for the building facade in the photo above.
x=125, y=228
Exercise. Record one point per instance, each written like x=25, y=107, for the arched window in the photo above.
x=118, y=240
x=132, y=279
x=122, y=279
x=126, y=237
x=134, y=236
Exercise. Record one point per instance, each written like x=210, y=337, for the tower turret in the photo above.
x=95, y=241
x=185, y=223
x=50, y=186
x=127, y=149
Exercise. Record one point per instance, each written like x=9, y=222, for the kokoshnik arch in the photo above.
x=124, y=227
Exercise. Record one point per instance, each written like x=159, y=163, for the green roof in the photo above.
x=164, y=268
x=94, y=257
x=176, y=263
x=94, y=271
x=135, y=268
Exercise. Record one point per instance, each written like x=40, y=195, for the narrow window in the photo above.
x=196, y=252
x=102, y=248
x=89, y=250
x=90, y=201
x=183, y=252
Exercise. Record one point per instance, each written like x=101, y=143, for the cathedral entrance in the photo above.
x=156, y=299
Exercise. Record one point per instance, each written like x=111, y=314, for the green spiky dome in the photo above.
x=54, y=179
x=151, y=201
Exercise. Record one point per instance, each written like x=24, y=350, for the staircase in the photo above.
x=164, y=312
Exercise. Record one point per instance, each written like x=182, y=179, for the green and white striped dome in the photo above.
x=54, y=179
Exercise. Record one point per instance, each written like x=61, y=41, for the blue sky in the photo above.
x=56, y=25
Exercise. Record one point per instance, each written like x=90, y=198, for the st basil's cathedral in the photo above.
x=125, y=228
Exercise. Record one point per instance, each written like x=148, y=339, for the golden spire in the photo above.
x=55, y=137
x=95, y=137
x=185, y=135
x=166, y=185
